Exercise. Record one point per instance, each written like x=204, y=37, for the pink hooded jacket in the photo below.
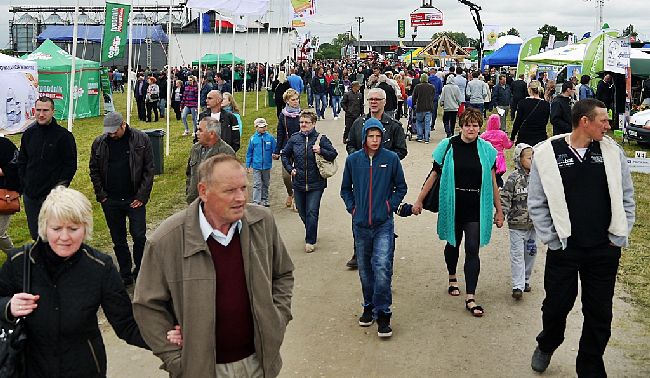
x=498, y=139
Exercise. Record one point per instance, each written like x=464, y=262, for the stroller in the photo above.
x=411, y=128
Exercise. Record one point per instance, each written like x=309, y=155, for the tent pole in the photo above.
x=245, y=71
x=73, y=67
x=268, y=49
x=219, y=46
x=168, y=95
x=257, y=68
x=232, y=71
x=128, y=74
x=200, y=55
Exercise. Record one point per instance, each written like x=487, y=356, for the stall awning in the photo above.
x=94, y=33
x=508, y=55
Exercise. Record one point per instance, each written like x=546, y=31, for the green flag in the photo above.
x=116, y=31
x=530, y=47
x=593, y=62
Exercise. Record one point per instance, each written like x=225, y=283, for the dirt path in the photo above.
x=433, y=334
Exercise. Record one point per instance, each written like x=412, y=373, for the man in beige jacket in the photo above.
x=219, y=269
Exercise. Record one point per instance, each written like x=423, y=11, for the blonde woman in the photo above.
x=532, y=116
x=228, y=103
x=288, y=124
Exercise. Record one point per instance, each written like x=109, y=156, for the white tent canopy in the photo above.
x=571, y=54
x=18, y=94
x=238, y=7
x=508, y=40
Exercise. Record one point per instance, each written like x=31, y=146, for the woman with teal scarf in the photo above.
x=288, y=124
x=466, y=166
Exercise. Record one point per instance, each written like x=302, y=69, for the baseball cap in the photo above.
x=112, y=122
x=260, y=122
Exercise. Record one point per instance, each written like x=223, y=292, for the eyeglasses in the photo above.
x=375, y=99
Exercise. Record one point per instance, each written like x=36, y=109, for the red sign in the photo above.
x=426, y=17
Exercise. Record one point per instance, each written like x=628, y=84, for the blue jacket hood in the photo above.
x=372, y=123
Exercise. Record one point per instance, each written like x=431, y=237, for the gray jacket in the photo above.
x=476, y=91
x=450, y=98
x=197, y=155
x=550, y=225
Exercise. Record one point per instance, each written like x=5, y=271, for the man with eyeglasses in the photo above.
x=394, y=138
x=47, y=158
x=561, y=110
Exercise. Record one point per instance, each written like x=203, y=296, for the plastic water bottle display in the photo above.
x=531, y=247
x=12, y=110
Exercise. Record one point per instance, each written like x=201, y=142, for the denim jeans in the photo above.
x=261, y=181
x=374, y=249
x=116, y=211
x=449, y=121
x=320, y=103
x=480, y=106
x=308, y=205
x=423, y=124
x=186, y=111
x=336, y=105
x=32, y=209
x=162, y=106
x=310, y=96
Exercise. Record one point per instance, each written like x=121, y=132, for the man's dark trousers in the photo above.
x=142, y=109
x=32, y=209
x=116, y=211
x=597, y=268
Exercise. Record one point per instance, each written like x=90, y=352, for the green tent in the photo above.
x=473, y=55
x=54, y=66
x=212, y=59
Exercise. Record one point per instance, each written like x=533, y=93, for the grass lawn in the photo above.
x=168, y=194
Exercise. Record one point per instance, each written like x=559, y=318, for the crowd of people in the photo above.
x=225, y=247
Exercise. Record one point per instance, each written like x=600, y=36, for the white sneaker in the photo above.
x=336, y=118
x=186, y=133
x=309, y=248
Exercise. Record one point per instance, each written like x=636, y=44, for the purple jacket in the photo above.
x=190, y=96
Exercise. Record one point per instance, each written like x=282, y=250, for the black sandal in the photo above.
x=476, y=311
x=453, y=288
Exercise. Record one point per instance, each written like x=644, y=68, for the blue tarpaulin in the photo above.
x=508, y=55
x=94, y=33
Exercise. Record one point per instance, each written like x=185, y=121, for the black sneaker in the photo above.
x=517, y=294
x=127, y=281
x=366, y=319
x=383, y=325
x=540, y=360
x=352, y=263
x=527, y=288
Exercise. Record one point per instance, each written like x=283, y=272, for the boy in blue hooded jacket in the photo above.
x=373, y=187
x=259, y=160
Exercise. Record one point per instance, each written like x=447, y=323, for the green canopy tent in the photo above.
x=54, y=66
x=473, y=55
x=212, y=59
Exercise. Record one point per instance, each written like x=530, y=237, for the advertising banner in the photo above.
x=116, y=31
x=490, y=36
x=301, y=5
x=426, y=17
x=401, y=28
x=18, y=97
x=86, y=93
x=530, y=47
x=107, y=91
x=617, y=54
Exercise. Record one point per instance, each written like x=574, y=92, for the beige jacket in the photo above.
x=176, y=285
x=192, y=170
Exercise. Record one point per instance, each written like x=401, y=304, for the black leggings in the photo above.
x=472, y=263
x=449, y=120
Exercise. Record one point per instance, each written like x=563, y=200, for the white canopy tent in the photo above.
x=571, y=54
x=18, y=94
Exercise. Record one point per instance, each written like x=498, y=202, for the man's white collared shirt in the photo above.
x=220, y=237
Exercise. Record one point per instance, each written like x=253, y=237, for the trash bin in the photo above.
x=270, y=97
x=156, y=137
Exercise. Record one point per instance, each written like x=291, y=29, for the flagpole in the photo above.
x=268, y=50
x=73, y=68
x=257, y=68
x=130, y=67
x=232, y=71
x=219, y=46
x=169, y=75
x=200, y=54
x=245, y=71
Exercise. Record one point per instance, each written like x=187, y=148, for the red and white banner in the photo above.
x=426, y=17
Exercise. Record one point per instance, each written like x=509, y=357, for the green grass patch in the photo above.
x=168, y=194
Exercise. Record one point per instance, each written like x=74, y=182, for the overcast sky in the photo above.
x=336, y=16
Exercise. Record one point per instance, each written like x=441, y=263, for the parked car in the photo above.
x=639, y=127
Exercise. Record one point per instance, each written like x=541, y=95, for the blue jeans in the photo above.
x=480, y=106
x=423, y=124
x=186, y=111
x=336, y=105
x=310, y=96
x=261, y=181
x=374, y=248
x=320, y=103
x=162, y=106
x=308, y=205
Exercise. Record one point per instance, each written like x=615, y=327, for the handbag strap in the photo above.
x=27, y=271
x=531, y=113
x=318, y=140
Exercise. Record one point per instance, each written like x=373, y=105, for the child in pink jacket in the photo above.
x=500, y=141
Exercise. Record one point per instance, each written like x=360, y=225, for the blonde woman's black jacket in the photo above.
x=64, y=339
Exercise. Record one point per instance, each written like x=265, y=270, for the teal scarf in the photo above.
x=447, y=214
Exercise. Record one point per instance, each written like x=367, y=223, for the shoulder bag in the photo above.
x=9, y=201
x=432, y=200
x=325, y=168
x=13, y=336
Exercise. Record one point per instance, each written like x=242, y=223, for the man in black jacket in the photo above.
x=394, y=138
x=519, y=91
x=352, y=104
x=122, y=170
x=561, y=110
x=230, y=132
x=140, y=92
x=47, y=158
